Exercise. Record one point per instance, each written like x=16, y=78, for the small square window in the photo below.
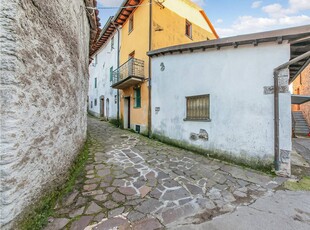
x=198, y=108
x=130, y=26
x=137, y=92
x=188, y=29
x=95, y=102
x=95, y=82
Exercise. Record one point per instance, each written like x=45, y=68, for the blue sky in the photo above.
x=234, y=17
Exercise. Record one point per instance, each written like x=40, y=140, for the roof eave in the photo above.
x=255, y=38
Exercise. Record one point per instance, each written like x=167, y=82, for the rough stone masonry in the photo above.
x=44, y=77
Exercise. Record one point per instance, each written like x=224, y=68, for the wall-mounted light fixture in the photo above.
x=162, y=66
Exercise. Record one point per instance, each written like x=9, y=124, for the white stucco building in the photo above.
x=219, y=95
x=102, y=99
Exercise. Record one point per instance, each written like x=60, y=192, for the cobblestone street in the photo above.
x=132, y=182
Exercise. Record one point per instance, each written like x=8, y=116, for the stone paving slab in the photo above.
x=285, y=210
x=132, y=182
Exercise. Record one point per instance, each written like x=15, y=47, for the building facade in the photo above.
x=44, y=81
x=222, y=97
x=102, y=98
x=152, y=25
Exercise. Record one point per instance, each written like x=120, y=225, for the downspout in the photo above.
x=276, y=120
x=276, y=106
x=118, y=51
x=150, y=75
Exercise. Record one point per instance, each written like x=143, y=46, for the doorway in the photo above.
x=127, y=112
x=298, y=93
x=107, y=108
x=102, y=106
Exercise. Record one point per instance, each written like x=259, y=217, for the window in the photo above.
x=137, y=98
x=95, y=102
x=188, y=29
x=112, y=43
x=95, y=82
x=95, y=61
x=111, y=73
x=198, y=108
x=91, y=104
x=130, y=27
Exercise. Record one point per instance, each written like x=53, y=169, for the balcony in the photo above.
x=129, y=74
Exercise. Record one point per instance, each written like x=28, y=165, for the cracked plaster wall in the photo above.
x=44, y=81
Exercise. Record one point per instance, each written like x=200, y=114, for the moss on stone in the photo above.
x=115, y=122
x=242, y=160
x=303, y=184
x=37, y=215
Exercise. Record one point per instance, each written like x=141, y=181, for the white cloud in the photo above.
x=299, y=5
x=295, y=6
x=219, y=20
x=256, y=4
x=277, y=17
x=250, y=24
x=112, y=3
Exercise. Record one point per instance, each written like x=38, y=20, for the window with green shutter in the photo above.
x=138, y=98
x=111, y=73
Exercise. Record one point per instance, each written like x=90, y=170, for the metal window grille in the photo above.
x=198, y=107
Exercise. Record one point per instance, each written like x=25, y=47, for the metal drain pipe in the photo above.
x=276, y=106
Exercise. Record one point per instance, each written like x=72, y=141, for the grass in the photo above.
x=38, y=215
x=303, y=184
x=116, y=123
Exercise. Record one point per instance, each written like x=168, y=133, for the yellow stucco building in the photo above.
x=151, y=25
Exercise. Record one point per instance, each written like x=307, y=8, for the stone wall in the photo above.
x=301, y=86
x=44, y=81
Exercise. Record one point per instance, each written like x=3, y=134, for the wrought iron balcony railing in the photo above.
x=133, y=68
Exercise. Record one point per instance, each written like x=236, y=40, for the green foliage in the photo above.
x=303, y=184
x=37, y=215
x=117, y=123
x=253, y=163
x=114, y=122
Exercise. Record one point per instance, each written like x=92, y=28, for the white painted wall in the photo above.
x=100, y=69
x=242, y=116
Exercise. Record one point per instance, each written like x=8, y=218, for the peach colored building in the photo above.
x=151, y=25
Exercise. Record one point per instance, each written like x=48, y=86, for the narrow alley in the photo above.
x=132, y=182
